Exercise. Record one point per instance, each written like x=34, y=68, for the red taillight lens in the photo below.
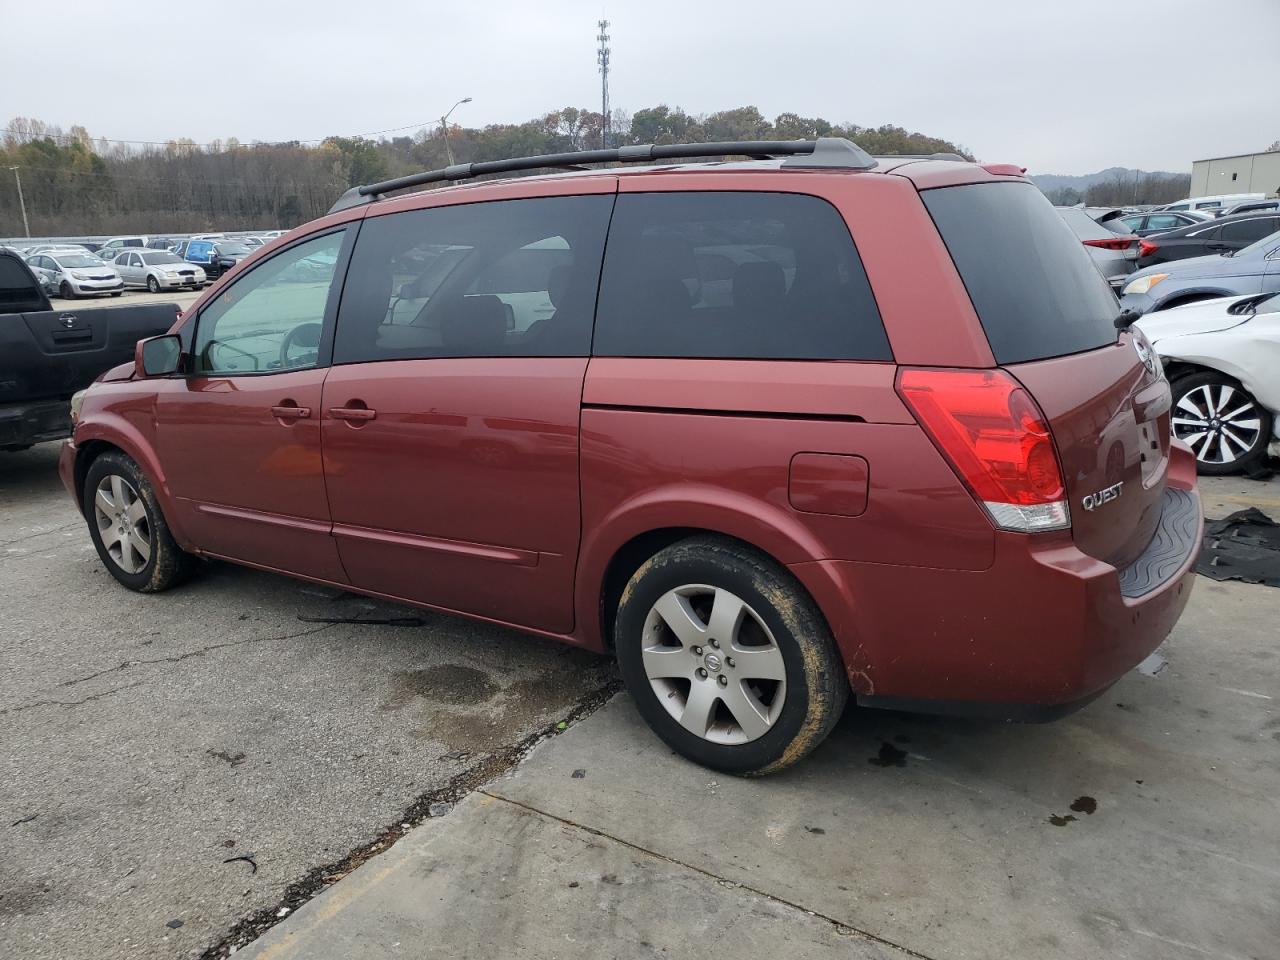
x=1146, y=248
x=1111, y=243
x=996, y=439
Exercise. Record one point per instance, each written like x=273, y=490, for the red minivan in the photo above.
x=770, y=431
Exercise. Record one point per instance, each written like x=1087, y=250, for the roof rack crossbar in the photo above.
x=823, y=152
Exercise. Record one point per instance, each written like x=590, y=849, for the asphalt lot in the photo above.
x=183, y=298
x=147, y=741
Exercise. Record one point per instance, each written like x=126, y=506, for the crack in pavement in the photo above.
x=43, y=533
x=840, y=925
x=69, y=703
x=193, y=653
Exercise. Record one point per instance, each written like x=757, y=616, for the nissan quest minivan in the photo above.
x=772, y=432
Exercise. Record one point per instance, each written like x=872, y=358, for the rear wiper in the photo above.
x=1127, y=318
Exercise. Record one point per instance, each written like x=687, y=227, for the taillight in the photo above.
x=1146, y=248
x=1111, y=243
x=995, y=437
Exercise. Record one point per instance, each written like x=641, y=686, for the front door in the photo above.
x=451, y=414
x=239, y=437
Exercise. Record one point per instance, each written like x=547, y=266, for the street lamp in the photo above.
x=21, y=202
x=444, y=127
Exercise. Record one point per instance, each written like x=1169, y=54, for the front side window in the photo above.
x=735, y=276
x=270, y=319
x=502, y=278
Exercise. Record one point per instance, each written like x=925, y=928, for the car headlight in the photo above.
x=1143, y=284
x=75, y=274
x=77, y=401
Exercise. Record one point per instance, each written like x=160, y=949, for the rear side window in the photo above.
x=496, y=279
x=1247, y=231
x=737, y=276
x=1031, y=281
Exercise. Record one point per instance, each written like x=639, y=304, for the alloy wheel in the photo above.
x=1220, y=423
x=713, y=664
x=122, y=522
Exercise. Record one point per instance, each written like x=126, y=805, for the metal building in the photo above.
x=1246, y=173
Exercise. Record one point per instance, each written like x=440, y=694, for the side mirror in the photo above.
x=157, y=356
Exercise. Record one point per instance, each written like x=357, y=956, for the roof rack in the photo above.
x=835, y=152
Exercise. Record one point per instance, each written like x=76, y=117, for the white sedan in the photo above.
x=157, y=270
x=1222, y=358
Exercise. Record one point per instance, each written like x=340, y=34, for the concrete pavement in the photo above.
x=1142, y=827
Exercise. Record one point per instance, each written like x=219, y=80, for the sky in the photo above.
x=1058, y=86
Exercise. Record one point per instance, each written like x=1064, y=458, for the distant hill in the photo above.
x=1056, y=181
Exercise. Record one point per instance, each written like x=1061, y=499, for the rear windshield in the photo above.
x=1031, y=280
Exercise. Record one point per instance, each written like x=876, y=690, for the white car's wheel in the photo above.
x=1218, y=419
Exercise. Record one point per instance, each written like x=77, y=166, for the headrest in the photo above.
x=759, y=281
x=558, y=281
x=475, y=326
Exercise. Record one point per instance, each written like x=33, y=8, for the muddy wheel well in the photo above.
x=85, y=455
x=1175, y=370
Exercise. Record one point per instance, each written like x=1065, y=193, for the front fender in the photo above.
x=1235, y=352
x=113, y=427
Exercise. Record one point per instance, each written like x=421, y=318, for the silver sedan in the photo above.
x=157, y=270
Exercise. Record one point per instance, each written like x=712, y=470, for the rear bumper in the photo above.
x=1037, y=635
x=26, y=423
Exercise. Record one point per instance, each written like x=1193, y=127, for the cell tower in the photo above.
x=602, y=58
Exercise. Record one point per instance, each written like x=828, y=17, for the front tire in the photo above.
x=1227, y=429
x=66, y=291
x=128, y=529
x=153, y=285
x=728, y=658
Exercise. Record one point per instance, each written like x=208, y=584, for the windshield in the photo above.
x=73, y=260
x=153, y=258
x=232, y=249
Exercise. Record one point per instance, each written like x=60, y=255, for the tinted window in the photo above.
x=271, y=318
x=504, y=278
x=1033, y=285
x=734, y=275
x=1248, y=231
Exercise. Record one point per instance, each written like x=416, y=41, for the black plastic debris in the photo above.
x=1244, y=546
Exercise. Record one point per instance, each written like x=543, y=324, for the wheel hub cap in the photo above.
x=121, y=517
x=713, y=664
x=1220, y=423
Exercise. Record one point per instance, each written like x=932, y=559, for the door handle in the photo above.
x=290, y=412
x=354, y=414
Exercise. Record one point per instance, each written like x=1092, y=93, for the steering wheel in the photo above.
x=305, y=336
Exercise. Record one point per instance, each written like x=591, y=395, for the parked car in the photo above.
x=157, y=270
x=215, y=257
x=1214, y=203
x=1222, y=358
x=63, y=247
x=1146, y=224
x=114, y=245
x=1223, y=236
x=1111, y=244
x=46, y=355
x=1252, y=206
x=79, y=274
x=706, y=487
x=162, y=243
x=1255, y=269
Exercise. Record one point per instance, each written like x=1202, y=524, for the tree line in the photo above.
x=74, y=184
x=1125, y=190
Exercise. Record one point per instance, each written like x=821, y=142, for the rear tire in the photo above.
x=748, y=680
x=1227, y=429
x=128, y=529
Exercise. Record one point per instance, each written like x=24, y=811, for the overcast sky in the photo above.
x=1068, y=86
